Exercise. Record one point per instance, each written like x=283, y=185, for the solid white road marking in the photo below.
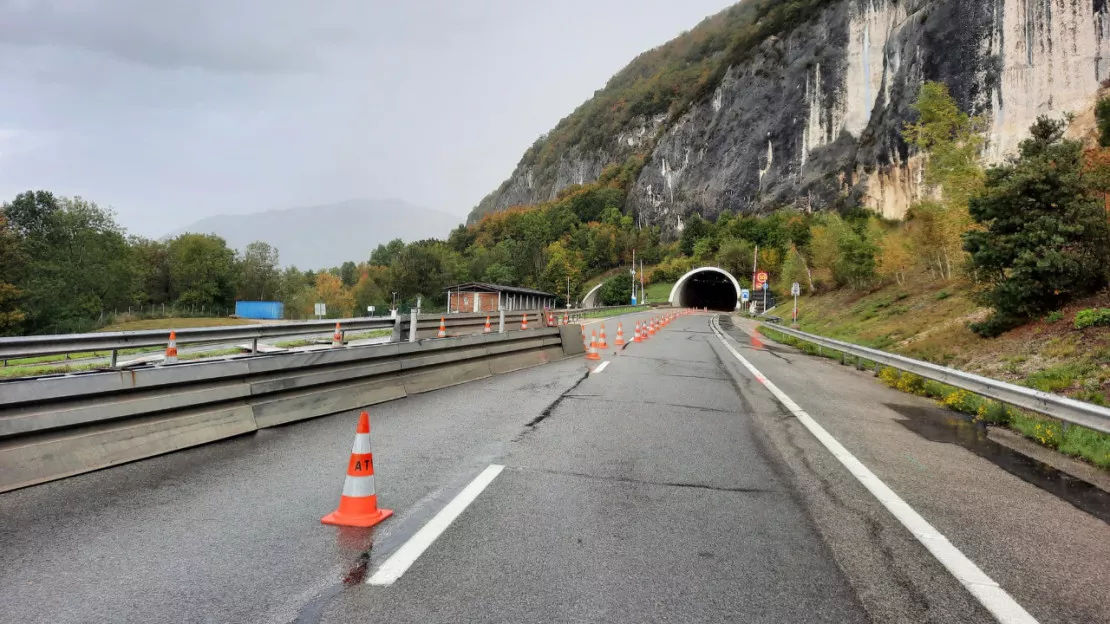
x=599, y=367
x=1004, y=608
x=411, y=550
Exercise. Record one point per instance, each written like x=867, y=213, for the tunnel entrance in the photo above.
x=707, y=287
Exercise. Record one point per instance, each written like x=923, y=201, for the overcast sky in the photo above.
x=173, y=110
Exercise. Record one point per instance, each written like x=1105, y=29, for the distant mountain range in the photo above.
x=317, y=237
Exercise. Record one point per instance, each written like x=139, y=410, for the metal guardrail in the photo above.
x=1055, y=406
x=30, y=346
x=427, y=324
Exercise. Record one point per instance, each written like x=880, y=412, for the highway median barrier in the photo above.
x=53, y=427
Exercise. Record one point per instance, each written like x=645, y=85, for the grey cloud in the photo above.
x=222, y=35
x=175, y=110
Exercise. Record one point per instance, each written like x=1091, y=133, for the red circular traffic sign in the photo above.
x=761, y=277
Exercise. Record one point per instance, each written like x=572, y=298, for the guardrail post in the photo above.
x=112, y=361
x=254, y=346
x=412, y=326
x=501, y=323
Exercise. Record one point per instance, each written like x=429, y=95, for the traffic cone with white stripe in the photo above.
x=358, y=505
x=566, y=318
x=442, y=328
x=651, y=327
x=638, y=336
x=524, y=322
x=487, y=329
x=620, y=335
x=337, y=337
x=591, y=353
x=603, y=342
x=171, y=349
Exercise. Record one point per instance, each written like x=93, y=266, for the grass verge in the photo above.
x=176, y=323
x=590, y=314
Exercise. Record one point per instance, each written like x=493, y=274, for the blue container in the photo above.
x=260, y=309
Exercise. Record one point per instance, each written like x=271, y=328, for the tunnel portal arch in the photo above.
x=706, y=287
x=590, y=300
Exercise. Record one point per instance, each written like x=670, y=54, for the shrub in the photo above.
x=1054, y=317
x=906, y=382
x=994, y=412
x=1091, y=318
x=963, y=401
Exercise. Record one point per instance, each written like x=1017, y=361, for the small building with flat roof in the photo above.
x=482, y=297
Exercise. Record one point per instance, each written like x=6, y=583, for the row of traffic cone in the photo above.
x=639, y=334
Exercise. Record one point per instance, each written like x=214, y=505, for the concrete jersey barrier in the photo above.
x=60, y=426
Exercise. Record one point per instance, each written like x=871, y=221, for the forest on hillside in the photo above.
x=1032, y=234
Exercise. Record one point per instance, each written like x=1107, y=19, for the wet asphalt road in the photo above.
x=668, y=487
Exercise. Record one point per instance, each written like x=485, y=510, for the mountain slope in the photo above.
x=328, y=235
x=802, y=102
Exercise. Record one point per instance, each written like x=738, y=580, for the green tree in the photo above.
x=1044, y=240
x=952, y=140
x=12, y=263
x=372, y=290
x=562, y=264
x=202, y=271
x=694, y=229
x=383, y=255
x=426, y=268
x=794, y=269
x=78, y=261
x=616, y=291
x=152, y=269
x=501, y=274
x=259, y=276
x=348, y=273
x=1102, y=117
x=735, y=256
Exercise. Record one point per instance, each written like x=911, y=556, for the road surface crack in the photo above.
x=550, y=409
x=678, y=484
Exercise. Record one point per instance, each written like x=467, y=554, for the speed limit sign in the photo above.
x=761, y=277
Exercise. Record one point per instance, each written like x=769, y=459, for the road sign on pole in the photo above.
x=745, y=295
x=321, y=310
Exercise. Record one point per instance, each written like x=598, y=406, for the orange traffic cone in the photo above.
x=337, y=337
x=566, y=318
x=524, y=322
x=603, y=342
x=442, y=328
x=585, y=342
x=620, y=335
x=651, y=327
x=358, y=505
x=637, y=336
x=171, y=349
x=591, y=353
x=487, y=328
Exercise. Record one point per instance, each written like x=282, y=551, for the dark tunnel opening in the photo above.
x=708, y=289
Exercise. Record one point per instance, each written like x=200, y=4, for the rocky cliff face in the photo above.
x=813, y=119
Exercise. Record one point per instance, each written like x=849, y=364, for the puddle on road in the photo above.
x=940, y=425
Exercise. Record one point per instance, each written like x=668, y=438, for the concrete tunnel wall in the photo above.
x=590, y=300
x=708, y=287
